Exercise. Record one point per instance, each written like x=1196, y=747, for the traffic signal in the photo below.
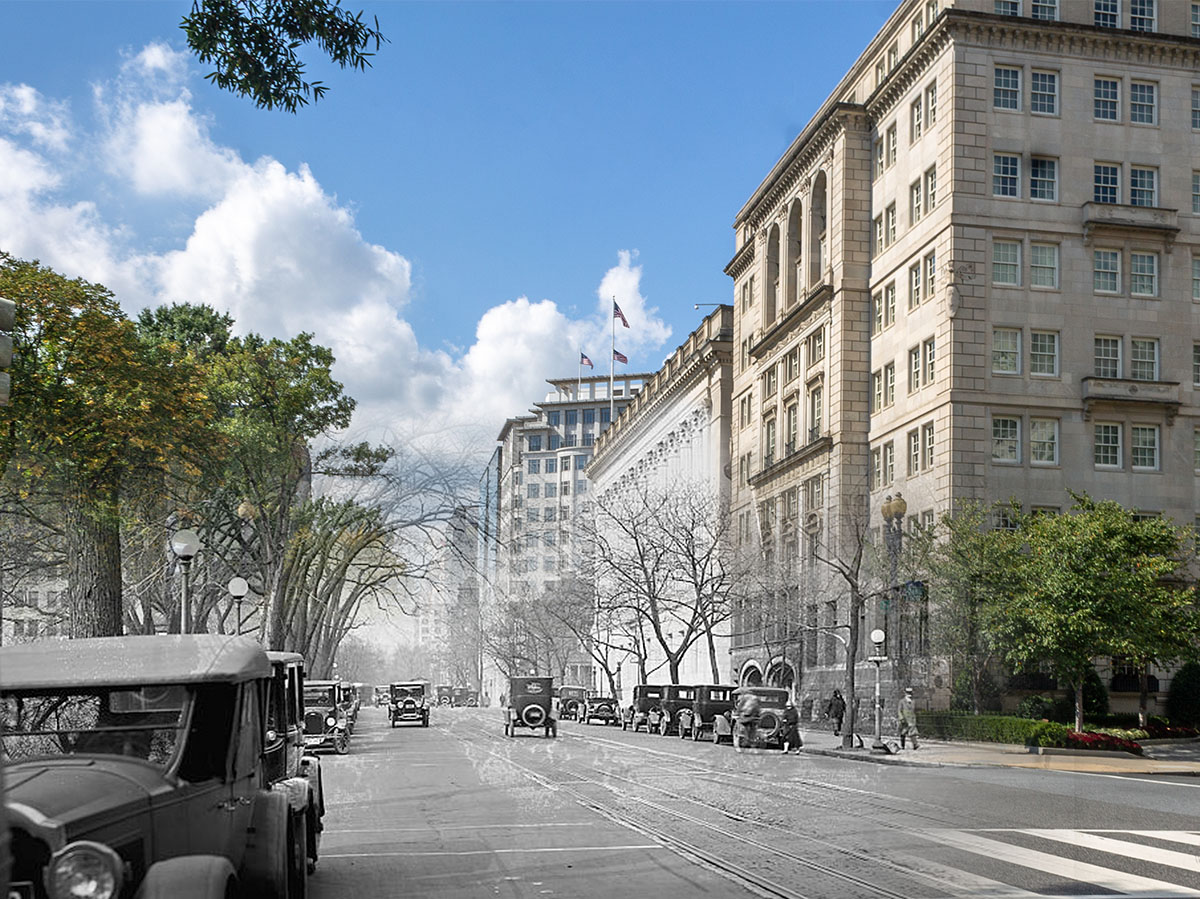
x=8, y=321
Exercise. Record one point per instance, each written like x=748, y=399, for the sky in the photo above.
x=454, y=222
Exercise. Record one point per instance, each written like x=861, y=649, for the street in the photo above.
x=459, y=810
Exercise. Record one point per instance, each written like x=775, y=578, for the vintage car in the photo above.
x=570, y=701
x=444, y=694
x=465, y=697
x=285, y=762
x=599, y=708
x=676, y=699
x=136, y=768
x=530, y=704
x=381, y=695
x=326, y=725
x=409, y=702
x=711, y=711
x=771, y=702
x=350, y=699
x=646, y=708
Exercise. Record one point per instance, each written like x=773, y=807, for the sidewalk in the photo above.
x=1164, y=758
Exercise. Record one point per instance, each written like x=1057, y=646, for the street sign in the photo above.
x=877, y=659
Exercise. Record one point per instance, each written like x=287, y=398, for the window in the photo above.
x=889, y=462
x=745, y=406
x=1196, y=364
x=1141, y=15
x=816, y=346
x=930, y=189
x=918, y=29
x=535, y=442
x=1006, y=439
x=914, y=369
x=581, y=462
x=1195, y=109
x=552, y=419
x=1106, y=14
x=1106, y=357
x=534, y=466
x=770, y=381
x=876, y=468
x=1105, y=98
x=1043, y=178
x=927, y=441
x=589, y=416
x=1006, y=175
x=914, y=120
x=1142, y=106
x=1143, y=359
x=889, y=305
x=1143, y=446
x=1196, y=20
x=569, y=439
x=606, y=412
x=893, y=56
x=1196, y=278
x=791, y=365
x=1143, y=187
x=1043, y=441
x=878, y=247
x=743, y=469
x=1006, y=88
x=792, y=425
x=555, y=441
x=877, y=313
x=1007, y=7
x=876, y=390
x=1195, y=193
x=551, y=514
x=891, y=145
x=1106, y=183
x=1043, y=265
x=914, y=285
x=816, y=406
x=1046, y=10
x=769, y=441
x=1196, y=448
x=889, y=383
x=1006, y=351
x=914, y=202
x=930, y=357
x=1143, y=274
x=551, y=491
x=571, y=417
x=1043, y=93
x=1106, y=271
x=931, y=11
x=551, y=466
x=914, y=453
x=533, y=491
x=814, y=493
x=880, y=72
x=1006, y=263
x=879, y=158
x=930, y=274
x=1043, y=353
x=890, y=214
x=931, y=104
x=1107, y=449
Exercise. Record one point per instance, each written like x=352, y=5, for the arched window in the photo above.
x=818, y=216
x=794, y=268
x=771, y=300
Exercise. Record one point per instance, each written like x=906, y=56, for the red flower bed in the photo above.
x=1077, y=740
x=1163, y=732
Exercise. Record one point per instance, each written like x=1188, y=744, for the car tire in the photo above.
x=341, y=744
x=298, y=858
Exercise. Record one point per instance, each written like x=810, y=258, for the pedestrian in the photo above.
x=836, y=709
x=746, y=714
x=791, y=728
x=908, y=718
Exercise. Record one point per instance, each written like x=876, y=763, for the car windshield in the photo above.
x=318, y=696
x=144, y=723
x=407, y=692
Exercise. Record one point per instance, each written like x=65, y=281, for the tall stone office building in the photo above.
x=974, y=275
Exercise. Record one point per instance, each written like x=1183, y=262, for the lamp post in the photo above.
x=238, y=588
x=877, y=637
x=893, y=510
x=185, y=544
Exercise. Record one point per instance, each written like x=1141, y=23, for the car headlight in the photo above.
x=330, y=721
x=84, y=870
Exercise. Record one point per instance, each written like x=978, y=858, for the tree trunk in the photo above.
x=851, y=663
x=94, y=563
x=712, y=656
x=1143, y=693
x=1079, y=705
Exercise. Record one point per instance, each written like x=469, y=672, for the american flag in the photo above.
x=617, y=313
x=584, y=360
x=619, y=356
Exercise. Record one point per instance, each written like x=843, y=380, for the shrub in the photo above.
x=1036, y=707
x=1125, y=733
x=1183, y=699
x=1095, y=700
x=961, y=699
x=1048, y=733
x=978, y=728
x=1092, y=740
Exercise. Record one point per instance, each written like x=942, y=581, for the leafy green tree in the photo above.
x=253, y=44
x=1096, y=582
x=1183, y=700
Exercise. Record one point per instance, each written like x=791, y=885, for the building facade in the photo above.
x=973, y=276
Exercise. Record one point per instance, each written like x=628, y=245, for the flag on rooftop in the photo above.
x=617, y=313
x=584, y=360
x=621, y=357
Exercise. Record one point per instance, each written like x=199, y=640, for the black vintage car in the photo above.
x=646, y=708
x=350, y=699
x=771, y=702
x=465, y=697
x=444, y=694
x=326, y=725
x=712, y=706
x=599, y=708
x=570, y=701
x=530, y=705
x=381, y=695
x=409, y=702
x=676, y=699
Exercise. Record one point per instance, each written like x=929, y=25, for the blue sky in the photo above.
x=452, y=221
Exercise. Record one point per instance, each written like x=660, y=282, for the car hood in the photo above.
x=80, y=793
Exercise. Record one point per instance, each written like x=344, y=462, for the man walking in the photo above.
x=836, y=709
x=908, y=718
x=791, y=728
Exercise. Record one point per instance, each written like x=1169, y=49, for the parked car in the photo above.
x=570, y=701
x=676, y=698
x=600, y=708
x=771, y=702
x=136, y=768
x=465, y=697
x=445, y=694
x=326, y=725
x=381, y=695
x=710, y=714
x=646, y=708
x=409, y=702
x=530, y=704
x=350, y=700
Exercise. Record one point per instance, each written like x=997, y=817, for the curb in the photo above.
x=866, y=755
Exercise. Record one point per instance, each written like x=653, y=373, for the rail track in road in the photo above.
x=763, y=855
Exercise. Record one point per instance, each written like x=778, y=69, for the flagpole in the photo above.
x=612, y=360
x=579, y=379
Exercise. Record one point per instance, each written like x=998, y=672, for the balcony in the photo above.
x=1118, y=219
x=1116, y=393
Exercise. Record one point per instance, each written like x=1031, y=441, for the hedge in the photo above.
x=978, y=728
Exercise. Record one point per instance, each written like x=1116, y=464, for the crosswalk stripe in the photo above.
x=1170, y=858
x=1186, y=837
x=1063, y=867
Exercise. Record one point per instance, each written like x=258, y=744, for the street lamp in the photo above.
x=185, y=544
x=878, y=658
x=238, y=588
x=893, y=510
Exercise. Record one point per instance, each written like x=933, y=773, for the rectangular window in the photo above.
x=914, y=120
x=889, y=305
x=914, y=202
x=893, y=56
x=914, y=369
x=1043, y=353
x=571, y=417
x=877, y=314
x=879, y=161
x=1006, y=439
x=931, y=104
x=1106, y=357
x=876, y=468
x=1006, y=263
x=589, y=439
x=928, y=442
x=1196, y=278
x=1143, y=359
x=1043, y=441
x=552, y=419
x=889, y=384
x=791, y=365
x=1143, y=187
x=534, y=466
x=555, y=441
x=1046, y=10
x=1195, y=193
x=1143, y=274
x=1196, y=109
x=889, y=462
x=1196, y=20
x=1196, y=364
x=551, y=466
x=878, y=248
x=931, y=11
x=1043, y=265
x=914, y=453
x=533, y=490
x=1196, y=448
x=816, y=408
x=1006, y=351
x=891, y=145
x=1143, y=103
x=1043, y=93
x=816, y=346
x=929, y=354
x=930, y=189
x=770, y=381
x=589, y=416
x=930, y=275
x=876, y=390
x=1007, y=7
x=791, y=422
x=581, y=462
x=1106, y=14
x=1006, y=88
x=1006, y=175
x=1142, y=15
x=744, y=405
x=1106, y=271
x=1143, y=447
x=1106, y=97
x=1106, y=183
x=1043, y=178
x=890, y=213
x=1107, y=450
x=535, y=443
x=914, y=285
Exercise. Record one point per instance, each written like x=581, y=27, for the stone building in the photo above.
x=973, y=275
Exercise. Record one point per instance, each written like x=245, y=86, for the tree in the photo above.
x=1096, y=582
x=253, y=45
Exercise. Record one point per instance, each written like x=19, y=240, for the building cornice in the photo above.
x=786, y=326
x=741, y=260
x=791, y=461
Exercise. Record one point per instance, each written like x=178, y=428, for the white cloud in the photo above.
x=25, y=111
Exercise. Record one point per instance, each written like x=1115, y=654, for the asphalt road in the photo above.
x=458, y=810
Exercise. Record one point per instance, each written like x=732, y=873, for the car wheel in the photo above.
x=298, y=859
x=341, y=745
x=624, y=724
